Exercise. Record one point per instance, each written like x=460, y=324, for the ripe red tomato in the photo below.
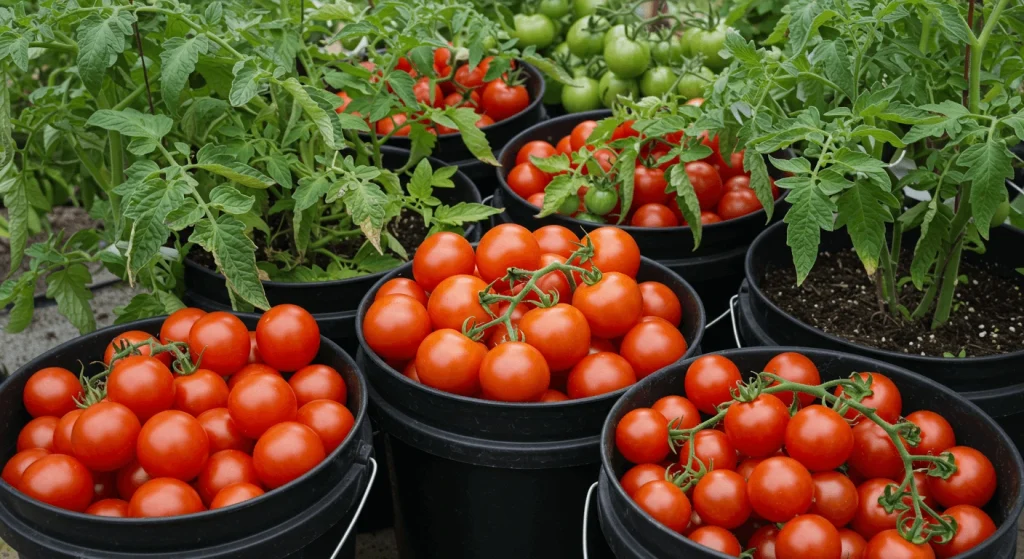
x=285, y=452
x=615, y=251
x=426, y=94
x=711, y=448
x=234, y=494
x=58, y=480
x=222, y=341
x=318, y=382
x=737, y=182
x=200, y=391
x=406, y=286
x=738, y=203
x=763, y=542
x=526, y=180
x=808, y=535
x=288, y=337
x=625, y=130
x=394, y=125
x=780, y=488
x=104, y=436
x=501, y=100
x=129, y=479
x=505, y=246
x=654, y=215
x=885, y=398
x=555, y=239
x=871, y=518
x=974, y=526
x=706, y=184
x=537, y=148
x=164, y=497
x=177, y=326
x=449, y=361
x=640, y=475
x=440, y=256
x=797, y=368
x=484, y=121
x=560, y=333
x=260, y=401
x=129, y=338
x=641, y=436
x=38, y=433
x=874, y=454
x=612, y=305
x=249, y=370
x=835, y=498
x=599, y=373
x=605, y=159
x=114, y=508
x=173, y=444
x=394, y=326
x=718, y=539
x=345, y=102
x=142, y=384
x=222, y=431
x=330, y=420
x=854, y=544
x=16, y=466
x=223, y=469
x=651, y=345
x=552, y=395
x=661, y=301
x=680, y=412
x=471, y=78
x=733, y=168
x=891, y=545
x=456, y=299
x=936, y=433
x=514, y=372
x=720, y=498
x=579, y=135
x=819, y=438
x=974, y=482
x=649, y=187
x=564, y=145
x=666, y=503
x=709, y=380
x=757, y=428
x=51, y=391
x=537, y=200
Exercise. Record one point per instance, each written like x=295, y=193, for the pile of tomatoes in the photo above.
x=453, y=84
x=802, y=485
x=149, y=442
x=723, y=189
x=596, y=339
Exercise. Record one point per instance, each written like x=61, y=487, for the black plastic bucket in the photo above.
x=305, y=519
x=714, y=269
x=476, y=478
x=633, y=534
x=453, y=151
x=992, y=382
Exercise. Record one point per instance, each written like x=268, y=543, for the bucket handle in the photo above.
x=732, y=314
x=586, y=515
x=487, y=200
x=359, y=509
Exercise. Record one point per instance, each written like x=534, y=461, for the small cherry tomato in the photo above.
x=404, y=286
x=440, y=256
x=666, y=502
x=200, y=391
x=285, y=452
x=640, y=475
x=259, y=402
x=104, y=437
x=172, y=444
x=599, y=373
x=757, y=428
x=680, y=412
x=38, y=433
x=974, y=482
x=514, y=372
x=234, y=494
x=223, y=342
x=720, y=498
x=641, y=436
x=659, y=300
x=651, y=345
x=330, y=420
x=449, y=361
x=394, y=326
x=164, y=497
x=177, y=326
x=819, y=438
x=114, y=508
x=51, y=391
x=780, y=489
x=808, y=535
x=130, y=338
x=709, y=381
x=885, y=398
x=58, y=480
x=711, y=448
x=288, y=337
x=797, y=368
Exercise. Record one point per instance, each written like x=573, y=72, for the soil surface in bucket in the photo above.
x=839, y=298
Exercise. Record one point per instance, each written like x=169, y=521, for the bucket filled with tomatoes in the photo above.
x=792, y=453
x=189, y=436
x=491, y=369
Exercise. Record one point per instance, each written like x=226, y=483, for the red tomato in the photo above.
x=472, y=78
x=797, y=368
x=615, y=251
x=874, y=454
x=734, y=167
x=200, y=391
x=222, y=431
x=51, y=391
x=527, y=180
x=234, y=494
x=649, y=187
x=223, y=469
x=854, y=544
x=709, y=380
x=318, y=382
x=641, y=436
x=835, y=498
x=564, y=145
x=223, y=342
x=514, y=372
x=104, y=485
x=394, y=125
x=680, y=412
x=599, y=373
x=625, y=130
x=579, y=135
x=177, y=326
x=260, y=401
x=537, y=200
x=974, y=482
x=885, y=398
x=484, y=121
x=501, y=100
x=654, y=215
x=164, y=497
x=780, y=488
x=871, y=518
x=394, y=326
x=936, y=433
x=129, y=479
x=114, y=508
x=737, y=182
x=345, y=102
x=661, y=301
x=173, y=444
x=640, y=475
x=974, y=526
x=720, y=498
x=38, y=433
x=427, y=95
x=104, y=436
x=58, y=480
x=552, y=395
x=808, y=535
x=406, y=286
x=285, y=452
x=666, y=503
x=605, y=159
x=738, y=203
x=711, y=448
x=651, y=345
x=144, y=385
x=560, y=333
x=819, y=438
x=505, y=246
x=763, y=542
x=449, y=361
x=718, y=539
x=16, y=466
x=556, y=239
x=288, y=337
x=891, y=545
x=441, y=256
x=757, y=428
x=130, y=338
x=456, y=299
x=330, y=420
x=612, y=305
x=537, y=148
x=706, y=184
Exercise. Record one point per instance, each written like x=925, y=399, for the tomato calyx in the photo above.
x=94, y=388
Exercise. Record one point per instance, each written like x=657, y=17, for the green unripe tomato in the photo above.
x=587, y=216
x=600, y=201
x=657, y=81
x=612, y=86
x=570, y=206
x=616, y=33
x=581, y=97
x=583, y=41
x=1002, y=212
x=534, y=30
x=586, y=7
x=693, y=84
x=552, y=91
x=627, y=58
x=710, y=43
x=677, y=50
x=688, y=42
x=554, y=9
x=661, y=52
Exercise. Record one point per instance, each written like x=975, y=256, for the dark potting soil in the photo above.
x=839, y=298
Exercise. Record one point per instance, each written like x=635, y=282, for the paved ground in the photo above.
x=50, y=329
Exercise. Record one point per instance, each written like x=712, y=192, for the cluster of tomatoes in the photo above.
x=460, y=85
x=150, y=442
x=723, y=189
x=597, y=338
x=801, y=485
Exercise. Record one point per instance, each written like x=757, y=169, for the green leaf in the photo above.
x=442, y=177
x=880, y=134
x=864, y=210
x=100, y=40
x=419, y=185
x=686, y=197
x=987, y=165
x=68, y=287
x=761, y=182
x=279, y=169
x=221, y=163
x=1016, y=122
x=906, y=114
x=214, y=12
x=402, y=84
x=934, y=234
x=742, y=50
x=365, y=202
x=560, y=189
x=235, y=256
x=625, y=165
x=811, y=212
x=178, y=61
x=797, y=165
x=245, y=84
x=185, y=215
x=228, y=199
x=874, y=102
x=15, y=47
x=951, y=22
x=310, y=191
x=464, y=212
x=20, y=315
x=147, y=305
x=860, y=162
x=331, y=12
x=474, y=138
x=313, y=111
x=15, y=199
x=145, y=238
x=154, y=197
x=838, y=65
x=352, y=122
x=132, y=123
x=555, y=164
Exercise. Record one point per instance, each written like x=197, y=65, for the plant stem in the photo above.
x=949, y=281
x=886, y=266
x=976, y=52
x=131, y=97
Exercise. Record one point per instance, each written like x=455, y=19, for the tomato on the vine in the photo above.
x=797, y=368
x=720, y=498
x=974, y=526
x=556, y=239
x=580, y=133
x=473, y=77
x=610, y=87
x=501, y=100
x=712, y=448
x=874, y=455
x=505, y=246
x=936, y=433
x=706, y=184
x=757, y=428
x=657, y=81
x=627, y=58
x=680, y=412
x=537, y=148
x=871, y=518
x=974, y=482
x=129, y=338
x=780, y=488
x=885, y=398
x=600, y=201
x=560, y=333
x=891, y=545
x=612, y=305
x=535, y=30
x=584, y=95
x=835, y=498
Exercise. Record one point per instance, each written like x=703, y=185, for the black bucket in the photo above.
x=453, y=151
x=305, y=519
x=632, y=533
x=475, y=478
x=714, y=269
x=991, y=382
